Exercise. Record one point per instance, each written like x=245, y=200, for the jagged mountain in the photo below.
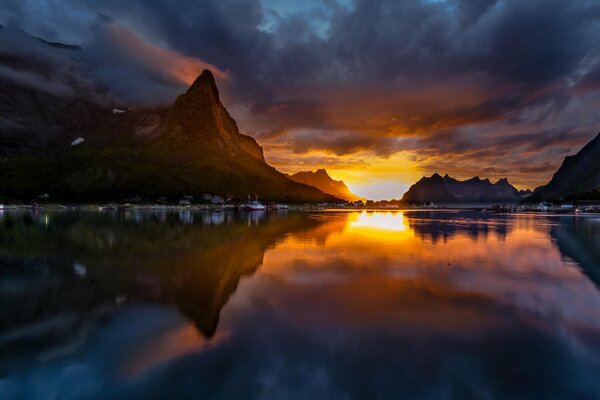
x=322, y=181
x=445, y=189
x=578, y=176
x=79, y=149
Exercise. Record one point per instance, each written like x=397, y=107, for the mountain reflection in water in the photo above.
x=416, y=304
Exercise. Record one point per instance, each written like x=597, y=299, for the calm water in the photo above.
x=410, y=305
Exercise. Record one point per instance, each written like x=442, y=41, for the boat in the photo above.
x=254, y=206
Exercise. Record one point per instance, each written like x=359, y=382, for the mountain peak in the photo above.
x=205, y=82
x=577, y=176
x=322, y=172
x=450, y=190
x=322, y=181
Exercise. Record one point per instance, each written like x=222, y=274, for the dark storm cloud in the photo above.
x=531, y=43
x=376, y=70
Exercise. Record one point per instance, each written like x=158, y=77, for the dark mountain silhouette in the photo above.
x=73, y=141
x=322, y=181
x=578, y=176
x=445, y=189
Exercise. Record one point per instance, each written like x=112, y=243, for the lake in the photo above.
x=324, y=305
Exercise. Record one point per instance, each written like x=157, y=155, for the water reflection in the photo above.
x=82, y=262
x=379, y=221
x=579, y=240
x=444, y=225
x=336, y=305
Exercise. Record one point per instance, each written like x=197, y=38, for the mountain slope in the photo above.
x=578, y=176
x=322, y=181
x=81, y=150
x=445, y=189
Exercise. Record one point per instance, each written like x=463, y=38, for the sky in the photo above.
x=379, y=93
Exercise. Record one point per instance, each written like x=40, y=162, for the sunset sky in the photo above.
x=377, y=92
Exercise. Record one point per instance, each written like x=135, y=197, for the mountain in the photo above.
x=70, y=139
x=445, y=189
x=578, y=176
x=322, y=181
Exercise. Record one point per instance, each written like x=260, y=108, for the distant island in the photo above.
x=447, y=190
x=322, y=181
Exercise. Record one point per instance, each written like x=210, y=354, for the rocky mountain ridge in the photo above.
x=578, y=176
x=446, y=189
x=322, y=181
x=83, y=146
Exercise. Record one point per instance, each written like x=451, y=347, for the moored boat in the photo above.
x=255, y=206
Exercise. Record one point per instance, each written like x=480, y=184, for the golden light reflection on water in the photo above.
x=432, y=272
x=378, y=221
x=379, y=226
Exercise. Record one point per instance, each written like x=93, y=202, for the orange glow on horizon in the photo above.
x=366, y=175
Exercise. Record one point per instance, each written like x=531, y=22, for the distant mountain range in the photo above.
x=75, y=144
x=444, y=189
x=578, y=176
x=322, y=181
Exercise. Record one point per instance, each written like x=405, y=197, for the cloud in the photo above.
x=115, y=58
x=139, y=71
x=156, y=60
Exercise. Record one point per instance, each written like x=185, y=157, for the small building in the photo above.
x=543, y=207
x=186, y=200
x=217, y=200
x=206, y=198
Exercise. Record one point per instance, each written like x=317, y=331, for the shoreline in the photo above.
x=112, y=207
